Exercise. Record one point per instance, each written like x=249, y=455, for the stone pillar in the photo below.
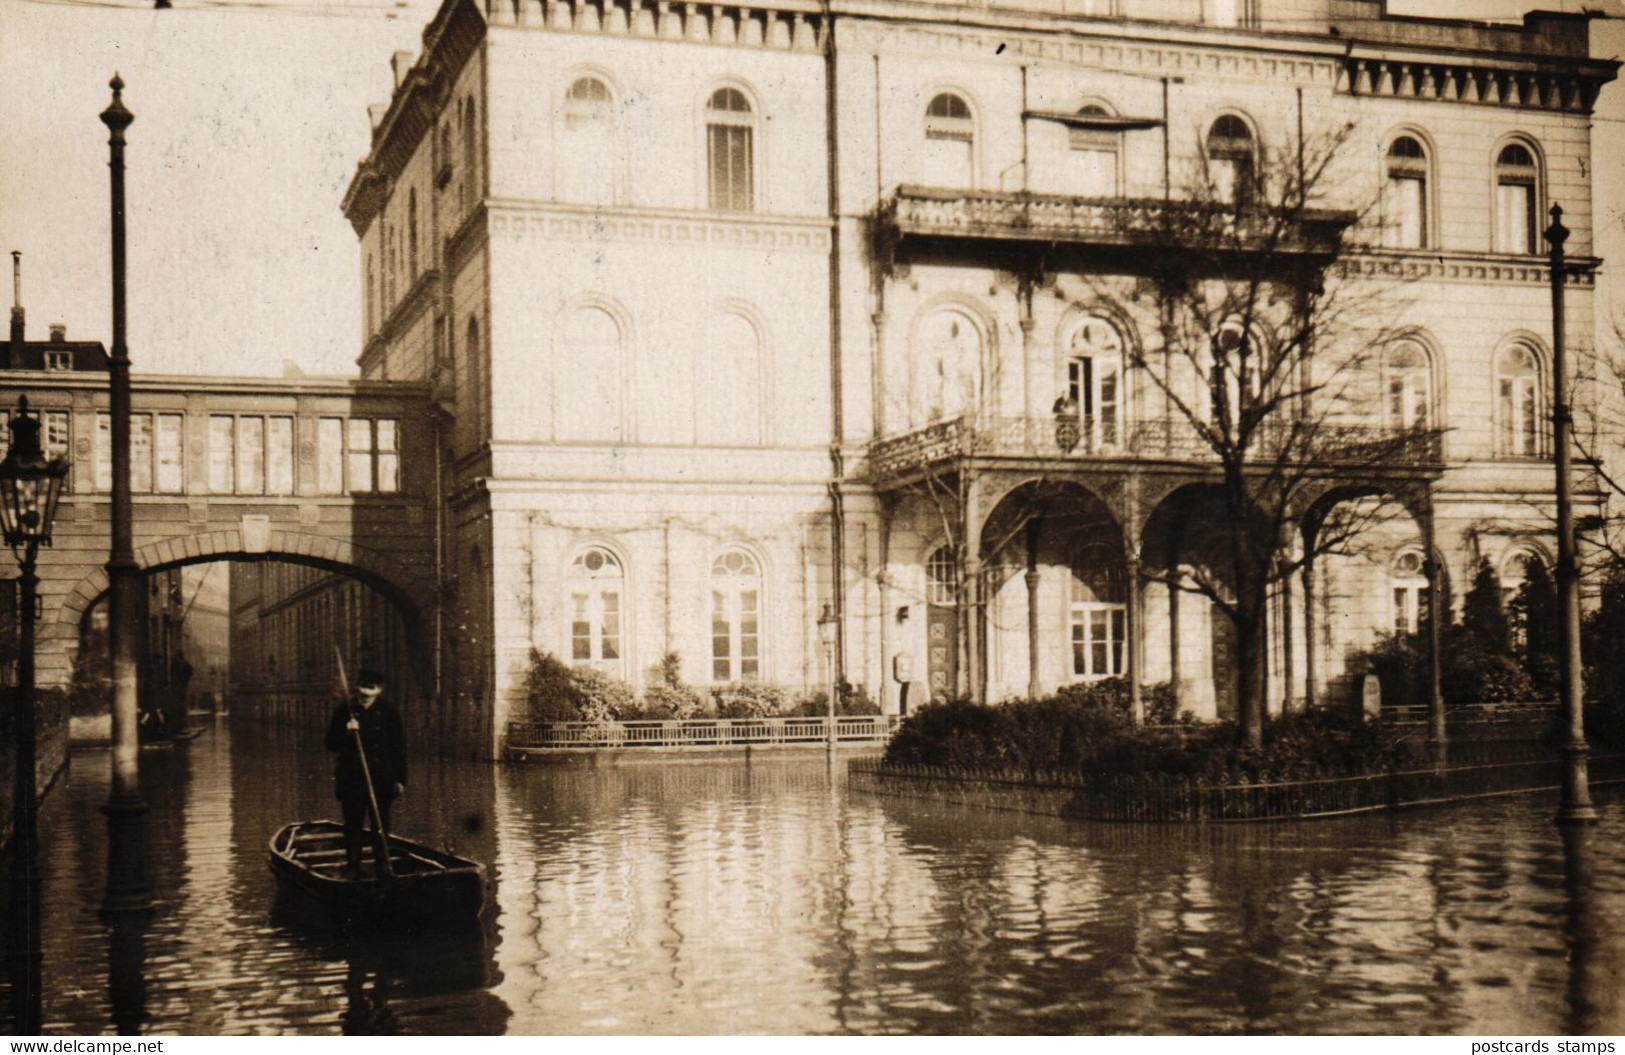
x=971, y=590
x=1135, y=622
x=1035, y=527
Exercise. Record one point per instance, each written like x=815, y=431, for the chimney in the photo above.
x=377, y=112
x=14, y=348
x=59, y=333
x=401, y=63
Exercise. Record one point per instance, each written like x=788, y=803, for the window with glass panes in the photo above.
x=731, y=151
x=594, y=584
x=1405, y=196
x=950, y=142
x=736, y=618
x=1097, y=618
x=157, y=445
x=1094, y=382
x=1517, y=178
x=1409, y=385
x=1517, y=403
x=1410, y=592
x=55, y=426
x=358, y=456
x=1231, y=152
x=1093, y=156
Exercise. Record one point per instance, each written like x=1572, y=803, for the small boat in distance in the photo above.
x=429, y=886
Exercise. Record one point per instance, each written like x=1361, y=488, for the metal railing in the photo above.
x=1151, y=439
x=698, y=732
x=1022, y=215
x=1157, y=798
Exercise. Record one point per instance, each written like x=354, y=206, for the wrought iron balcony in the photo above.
x=1005, y=216
x=1054, y=442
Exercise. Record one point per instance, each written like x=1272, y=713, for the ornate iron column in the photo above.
x=127, y=889
x=1576, y=806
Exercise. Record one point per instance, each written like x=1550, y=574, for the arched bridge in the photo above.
x=332, y=472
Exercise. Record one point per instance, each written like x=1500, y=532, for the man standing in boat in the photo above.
x=379, y=724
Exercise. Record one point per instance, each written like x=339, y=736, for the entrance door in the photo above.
x=1225, y=686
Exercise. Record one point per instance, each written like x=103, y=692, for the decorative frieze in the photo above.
x=1465, y=267
x=782, y=28
x=622, y=227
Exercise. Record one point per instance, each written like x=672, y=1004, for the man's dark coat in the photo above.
x=385, y=742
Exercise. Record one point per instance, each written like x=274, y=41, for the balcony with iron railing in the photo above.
x=1019, y=216
x=1080, y=439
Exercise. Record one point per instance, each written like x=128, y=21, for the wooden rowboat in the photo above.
x=429, y=886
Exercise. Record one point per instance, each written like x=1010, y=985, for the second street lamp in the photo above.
x=30, y=486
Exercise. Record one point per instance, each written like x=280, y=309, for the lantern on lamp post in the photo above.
x=826, y=634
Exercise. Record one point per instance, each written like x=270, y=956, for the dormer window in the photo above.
x=59, y=360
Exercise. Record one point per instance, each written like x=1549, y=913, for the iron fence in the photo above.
x=1157, y=798
x=531, y=737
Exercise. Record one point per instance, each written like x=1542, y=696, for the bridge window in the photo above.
x=736, y=618
x=222, y=462
x=595, y=583
x=156, y=443
x=358, y=456
x=54, y=434
x=250, y=455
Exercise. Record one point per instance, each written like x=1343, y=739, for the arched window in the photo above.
x=586, y=155
x=1094, y=156
x=447, y=162
x=730, y=383
x=412, y=232
x=1408, y=381
x=596, y=583
x=1405, y=222
x=731, y=149
x=1232, y=157
x=950, y=142
x=736, y=618
x=587, y=378
x=470, y=154
x=1097, y=618
x=1518, y=402
x=949, y=358
x=1094, y=383
x=1517, y=194
x=1408, y=581
x=1514, y=570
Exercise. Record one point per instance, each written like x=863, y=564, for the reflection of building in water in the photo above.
x=603, y=232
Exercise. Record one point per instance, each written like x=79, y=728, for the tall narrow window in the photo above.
x=1232, y=159
x=413, y=264
x=141, y=453
x=942, y=576
x=1094, y=383
x=1517, y=186
x=388, y=467
x=470, y=154
x=1409, y=385
x=1097, y=619
x=948, y=358
x=358, y=446
x=1405, y=195
x=736, y=618
x=731, y=151
x=1518, y=409
x=1093, y=155
x=171, y=453
x=222, y=454
x=329, y=456
x=587, y=153
x=470, y=391
x=588, y=379
x=1408, y=581
x=250, y=456
x=950, y=142
x=595, y=584
x=730, y=384
x=279, y=456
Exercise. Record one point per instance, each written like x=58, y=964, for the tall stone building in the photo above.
x=711, y=294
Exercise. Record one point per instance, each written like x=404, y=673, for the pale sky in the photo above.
x=250, y=118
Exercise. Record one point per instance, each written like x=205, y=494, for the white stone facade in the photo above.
x=610, y=234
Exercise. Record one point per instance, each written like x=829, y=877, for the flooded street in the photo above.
x=683, y=897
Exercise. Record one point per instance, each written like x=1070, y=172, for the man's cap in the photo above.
x=366, y=679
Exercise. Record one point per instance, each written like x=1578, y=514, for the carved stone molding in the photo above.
x=698, y=230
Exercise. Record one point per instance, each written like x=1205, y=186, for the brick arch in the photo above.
x=379, y=571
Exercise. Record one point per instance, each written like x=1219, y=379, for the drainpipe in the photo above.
x=837, y=501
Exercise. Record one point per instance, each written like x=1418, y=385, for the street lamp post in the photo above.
x=826, y=634
x=1576, y=806
x=126, y=867
x=30, y=485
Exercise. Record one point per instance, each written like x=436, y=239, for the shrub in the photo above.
x=667, y=695
x=851, y=700
x=748, y=699
x=550, y=692
x=602, y=698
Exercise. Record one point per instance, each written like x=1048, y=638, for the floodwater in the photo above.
x=683, y=897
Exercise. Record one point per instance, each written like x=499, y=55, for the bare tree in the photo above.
x=1264, y=352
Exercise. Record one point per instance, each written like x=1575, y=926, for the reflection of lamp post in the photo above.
x=826, y=634
x=1576, y=806
x=30, y=484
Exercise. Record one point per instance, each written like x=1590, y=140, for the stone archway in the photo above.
x=410, y=594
